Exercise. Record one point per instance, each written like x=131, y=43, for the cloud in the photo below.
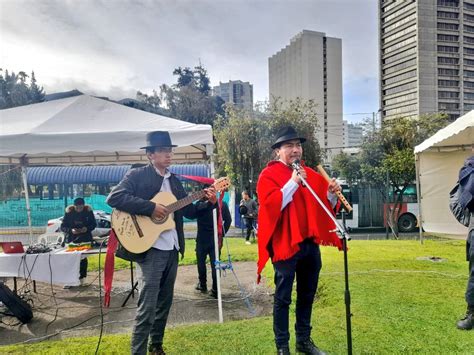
x=135, y=45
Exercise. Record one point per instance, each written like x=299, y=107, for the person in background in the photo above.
x=77, y=225
x=205, y=243
x=250, y=212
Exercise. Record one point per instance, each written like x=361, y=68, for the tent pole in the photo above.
x=418, y=196
x=210, y=154
x=24, y=163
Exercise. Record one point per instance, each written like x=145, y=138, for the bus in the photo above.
x=370, y=210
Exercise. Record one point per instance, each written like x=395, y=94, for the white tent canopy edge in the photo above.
x=88, y=130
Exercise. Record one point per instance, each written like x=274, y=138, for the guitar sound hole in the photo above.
x=159, y=220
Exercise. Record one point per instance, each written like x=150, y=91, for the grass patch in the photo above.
x=238, y=249
x=401, y=304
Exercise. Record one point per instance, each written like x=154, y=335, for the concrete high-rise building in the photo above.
x=352, y=134
x=426, y=57
x=238, y=92
x=310, y=67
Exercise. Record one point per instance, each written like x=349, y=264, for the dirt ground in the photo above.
x=62, y=313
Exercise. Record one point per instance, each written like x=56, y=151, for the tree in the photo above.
x=244, y=139
x=389, y=152
x=14, y=90
x=348, y=167
x=36, y=92
x=190, y=98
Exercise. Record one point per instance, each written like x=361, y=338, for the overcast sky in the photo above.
x=116, y=47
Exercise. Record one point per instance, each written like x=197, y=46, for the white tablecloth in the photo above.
x=56, y=267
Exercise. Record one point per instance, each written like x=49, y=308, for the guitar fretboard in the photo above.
x=185, y=201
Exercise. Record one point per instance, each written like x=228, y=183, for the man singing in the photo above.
x=292, y=225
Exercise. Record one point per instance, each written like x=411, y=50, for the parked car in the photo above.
x=55, y=235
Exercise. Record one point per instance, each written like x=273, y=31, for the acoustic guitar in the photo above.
x=138, y=233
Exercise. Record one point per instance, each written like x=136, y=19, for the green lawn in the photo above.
x=239, y=250
x=401, y=305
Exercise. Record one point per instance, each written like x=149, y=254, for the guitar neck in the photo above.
x=186, y=201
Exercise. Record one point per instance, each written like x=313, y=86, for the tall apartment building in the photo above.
x=352, y=134
x=426, y=57
x=310, y=67
x=238, y=92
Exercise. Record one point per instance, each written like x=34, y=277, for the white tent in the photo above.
x=87, y=130
x=438, y=160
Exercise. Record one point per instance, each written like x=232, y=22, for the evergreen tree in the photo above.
x=36, y=92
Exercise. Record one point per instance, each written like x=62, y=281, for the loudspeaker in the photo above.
x=15, y=304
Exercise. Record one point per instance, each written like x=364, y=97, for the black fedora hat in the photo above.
x=158, y=139
x=287, y=133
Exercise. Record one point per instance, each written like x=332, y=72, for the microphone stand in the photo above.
x=344, y=236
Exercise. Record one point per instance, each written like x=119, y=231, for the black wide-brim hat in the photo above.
x=158, y=139
x=287, y=133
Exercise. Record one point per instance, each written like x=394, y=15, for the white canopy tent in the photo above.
x=85, y=130
x=438, y=160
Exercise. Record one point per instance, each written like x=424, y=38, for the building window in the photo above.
x=400, y=34
x=401, y=66
x=469, y=84
x=401, y=110
x=400, y=55
x=468, y=39
x=448, y=26
x=448, y=72
x=448, y=38
x=404, y=76
x=448, y=83
x=448, y=106
x=448, y=3
x=468, y=17
x=401, y=99
x=444, y=14
x=468, y=107
x=399, y=23
x=445, y=60
x=469, y=28
x=469, y=73
x=400, y=44
x=448, y=95
x=448, y=49
x=469, y=51
x=469, y=62
x=400, y=88
x=399, y=12
x=469, y=95
x=468, y=6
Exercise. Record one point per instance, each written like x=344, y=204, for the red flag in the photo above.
x=109, y=266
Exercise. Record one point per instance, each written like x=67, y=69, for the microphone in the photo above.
x=296, y=166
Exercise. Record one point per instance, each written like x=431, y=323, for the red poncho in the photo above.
x=303, y=217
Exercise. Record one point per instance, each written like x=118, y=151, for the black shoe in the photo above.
x=308, y=347
x=201, y=287
x=284, y=350
x=213, y=293
x=467, y=323
x=157, y=350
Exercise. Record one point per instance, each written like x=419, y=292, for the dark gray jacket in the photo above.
x=133, y=195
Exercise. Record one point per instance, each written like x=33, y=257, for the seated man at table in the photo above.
x=77, y=225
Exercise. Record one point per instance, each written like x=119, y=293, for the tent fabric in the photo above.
x=439, y=159
x=458, y=133
x=438, y=175
x=89, y=127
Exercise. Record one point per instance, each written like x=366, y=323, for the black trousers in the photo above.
x=202, y=251
x=83, y=268
x=249, y=225
x=306, y=265
x=470, y=282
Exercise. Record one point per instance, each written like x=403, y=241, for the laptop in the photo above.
x=12, y=247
